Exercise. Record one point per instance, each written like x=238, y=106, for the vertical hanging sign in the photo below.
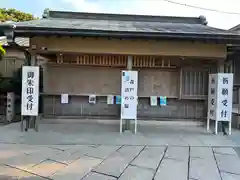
x=212, y=96
x=129, y=95
x=30, y=91
x=224, y=99
x=220, y=99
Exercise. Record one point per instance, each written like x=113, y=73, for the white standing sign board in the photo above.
x=220, y=99
x=30, y=91
x=129, y=97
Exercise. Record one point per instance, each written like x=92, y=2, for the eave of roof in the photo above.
x=235, y=28
x=20, y=41
x=29, y=32
x=120, y=26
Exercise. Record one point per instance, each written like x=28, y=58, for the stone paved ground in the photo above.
x=71, y=134
x=105, y=162
x=69, y=152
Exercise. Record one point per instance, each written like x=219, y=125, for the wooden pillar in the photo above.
x=238, y=116
x=129, y=63
x=221, y=66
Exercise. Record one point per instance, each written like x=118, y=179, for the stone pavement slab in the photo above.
x=23, y=161
x=46, y=168
x=227, y=176
x=212, y=140
x=225, y=150
x=6, y=154
x=79, y=148
x=175, y=160
x=228, y=163
x=62, y=148
x=201, y=152
x=172, y=169
x=237, y=150
x=102, y=151
x=137, y=173
x=191, y=140
x=67, y=157
x=96, y=176
x=7, y=173
x=116, y=163
x=202, y=164
x=178, y=153
x=203, y=169
x=78, y=169
x=38, y=151
x=149, y=157
x=73, y=153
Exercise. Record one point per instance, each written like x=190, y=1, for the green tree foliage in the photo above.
x=2, y=52
x=14, y=15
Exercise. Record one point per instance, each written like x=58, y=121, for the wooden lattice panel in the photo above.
x=92, y=60
x=143, y=61
x=151, y=62
x=113, y=61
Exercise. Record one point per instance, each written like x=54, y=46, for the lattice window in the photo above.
x=194, y=83
x=151, y=62
x=91, y=60
x=102, y=60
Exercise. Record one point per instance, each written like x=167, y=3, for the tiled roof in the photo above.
x=235, y=28
x=74, y=23
x=21, y=41
x=122, y=26
x=122, y=23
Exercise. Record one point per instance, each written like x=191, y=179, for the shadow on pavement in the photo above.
x=5, y=177
x=237, y=149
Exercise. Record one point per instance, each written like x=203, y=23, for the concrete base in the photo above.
x=76, y=120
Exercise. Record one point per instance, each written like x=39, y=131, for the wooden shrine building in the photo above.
x=85, y=53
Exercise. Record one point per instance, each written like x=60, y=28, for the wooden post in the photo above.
x=180, y=83
x=221, y=66
x=22, y=123
x=238, y=117
x=35, y=62
x=33, y=120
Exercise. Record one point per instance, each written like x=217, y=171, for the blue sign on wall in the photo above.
x=118, y=99
x=163, y=100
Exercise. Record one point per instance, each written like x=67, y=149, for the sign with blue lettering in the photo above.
x=129, y=95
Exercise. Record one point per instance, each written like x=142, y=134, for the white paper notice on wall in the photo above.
x=64, y=98
x=110, y=99
x=153, y=101
x=92, y=99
